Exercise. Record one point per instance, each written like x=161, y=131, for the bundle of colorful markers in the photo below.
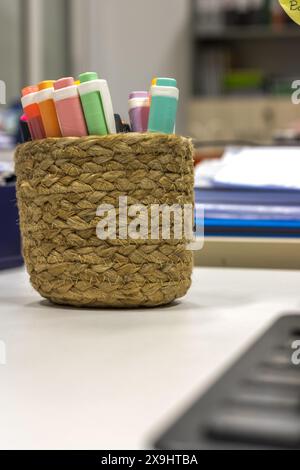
x=69, y=108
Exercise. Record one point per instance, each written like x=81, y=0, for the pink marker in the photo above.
x=68, y=108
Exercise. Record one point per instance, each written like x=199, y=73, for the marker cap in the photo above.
x=164, y=81
x=64, y=82
x=88, y=77
x=46, y=84
x=138, y=94
x=153, y=81
x=29, y=89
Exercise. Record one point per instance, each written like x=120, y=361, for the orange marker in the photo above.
x=47, y=108
x=32, y=111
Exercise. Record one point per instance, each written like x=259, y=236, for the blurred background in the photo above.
x=127, y=42
x=234, y=60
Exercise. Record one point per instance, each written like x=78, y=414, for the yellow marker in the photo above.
x=77, y=82
x=292, y=8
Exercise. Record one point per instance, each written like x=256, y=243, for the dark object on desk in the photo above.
x=121, y=127
x=24, y=129
x=10, y=245
x=287, y=137
x=126, y=127
x=254, y=405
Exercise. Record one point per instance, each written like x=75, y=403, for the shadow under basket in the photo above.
x=60, y=185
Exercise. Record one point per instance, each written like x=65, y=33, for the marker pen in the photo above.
x=121, y=127
x=163, y=108
x=91, y=101
x=47, y=108
x=68, y=108
x=97, y=105
x=161, y=81
x=32, y=111
x=118, y=123
x=139, y=107
x=126, y=128
x=25, y=132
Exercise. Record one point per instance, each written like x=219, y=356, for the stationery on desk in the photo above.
x=70, y=108
x=77, y=108
x=32, y=112
x=47, y=108
x=251, y=191
x=97, y=105
x=139, y=107
x=92, y=105
x=163, y=108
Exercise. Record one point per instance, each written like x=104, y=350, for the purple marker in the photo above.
x=139, y=106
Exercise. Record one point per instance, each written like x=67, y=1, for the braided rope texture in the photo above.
x=60, y=184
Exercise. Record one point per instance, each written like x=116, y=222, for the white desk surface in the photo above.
x=108, y=379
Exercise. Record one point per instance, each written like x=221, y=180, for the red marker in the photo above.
x=32, y=111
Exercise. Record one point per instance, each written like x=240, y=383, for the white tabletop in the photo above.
x=108, y=379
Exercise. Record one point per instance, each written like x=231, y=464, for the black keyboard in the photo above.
x=254, y=405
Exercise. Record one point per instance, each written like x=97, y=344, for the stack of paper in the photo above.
x=251, y=188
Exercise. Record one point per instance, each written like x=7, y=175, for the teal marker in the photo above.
x=164, y=102
x=92, y=105
x=160, y=81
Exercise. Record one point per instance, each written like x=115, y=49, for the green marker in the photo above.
x=92, y=100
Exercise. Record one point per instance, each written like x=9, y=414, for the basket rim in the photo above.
x=130, y=138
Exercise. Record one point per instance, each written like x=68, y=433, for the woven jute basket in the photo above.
x=61, y=183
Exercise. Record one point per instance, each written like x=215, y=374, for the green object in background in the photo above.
x=243, y=81
x=281, y=86
x=92, y=104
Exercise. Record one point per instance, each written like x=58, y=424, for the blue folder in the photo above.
x=251, y=228
x=10, y=242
